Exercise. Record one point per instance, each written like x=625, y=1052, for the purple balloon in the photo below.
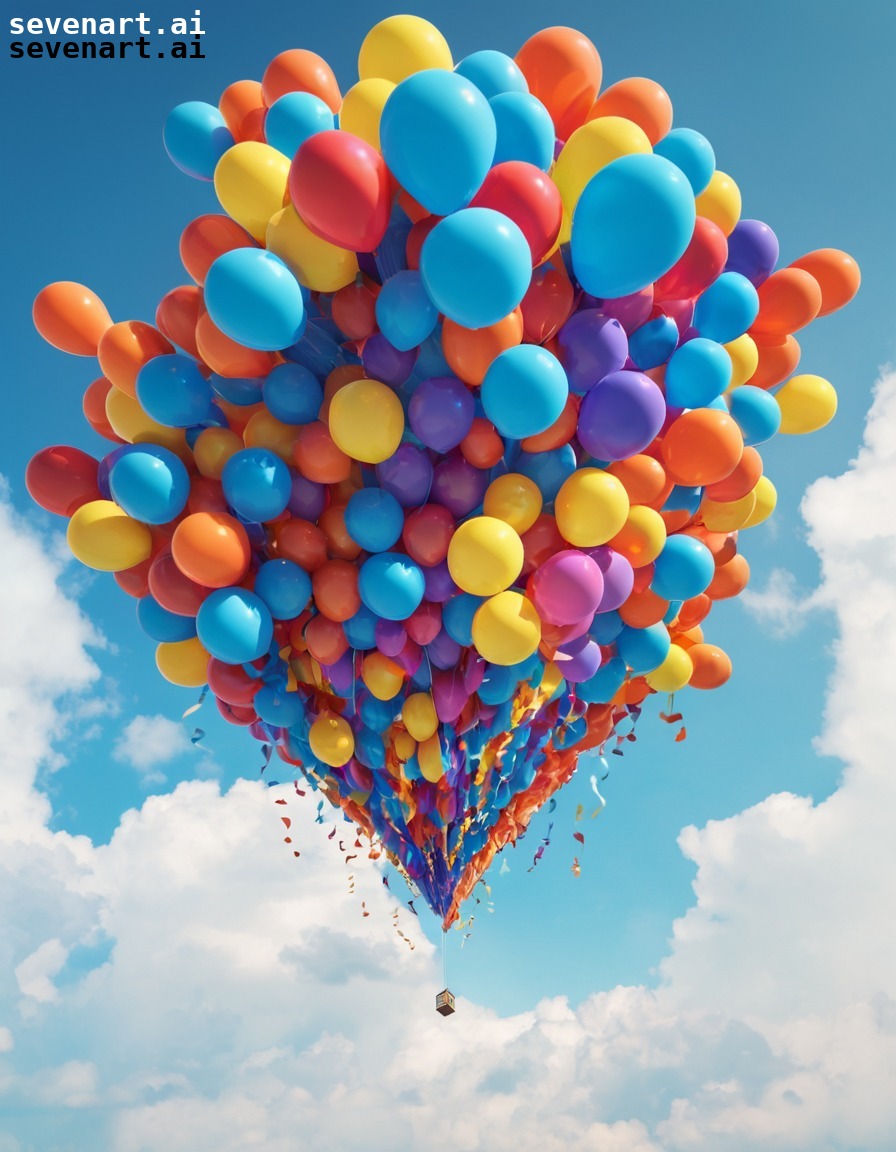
x=307, y=499
x=474, y=672
x=448, y=694
x=439, y=585
x=341, y=674
x=383, y=361
x=752, y=251
x=631, y=311
x=441, y=412
x=407, y=474
x=621, y=416
x=592, y=346
x=390, y=637
x=443, y=651
x=458, y=485
x=578, y=659
x=619, y=577
x=410, y=657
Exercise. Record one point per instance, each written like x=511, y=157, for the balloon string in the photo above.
x=444, y=960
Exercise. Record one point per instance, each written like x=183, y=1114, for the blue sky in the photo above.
x=573, y=976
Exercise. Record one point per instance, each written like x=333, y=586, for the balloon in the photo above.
x=362, y=109
x=418, y=715
x=404, y=312
x=234, y=625
x=354, y=308
x=407, y=475
x=284, y=587
x=642, y=101
x=702, y=446
x=712, y=667
x=335, y=587
x=293, y=118
x=700, y=265
x=391, y=585
x=427, y=533
x=729, y=579
x=567, y=588
x=632, y=223
x=788, y=300
x=836, y=274
x=492, y=72
x=591, y=347
x=506, y=629
x=177, y=315
x=94, y=408
x=697, y=373
x=482, y=446
x=674, y=672
x=292, y=394
x=125, y=348
x=476, y=265
x=591, y=507
x=752, y=251
x=401, y=45
x=70, y=317
x=298, y=70
x=557, y=434
x=173, y=391
x=683, y=569
x=690, y=152
x=250, y=183
x=515, y=499
x=766, y=499
x=318, y=455
x=643, y=649
x=807, y=403
x=196, y=137
x=211, y=549
x=653, y=343
x=524, y=391
x=366, y=421
x=301, y=541
x=254, y=299
x=374, y=519
x=183, y=662
x=257, y=484
x=756, y=412
x=525, y=195
x=563, y=70
x=744, y=356
x=641, y=538
x=441, y=413
x=438, y=136
x=524, y=130
x=161, y=625
x=720, y=202
x=775, y=362
x=470, y=351
x=621, y=415
x=588, y=150
x=548, y=469
x=384, y=362
x=62, y=479
x=102, y=536
x=150, y=483
x=316, y=263
x=485, y=556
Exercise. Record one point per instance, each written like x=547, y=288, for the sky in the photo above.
x=721, y=975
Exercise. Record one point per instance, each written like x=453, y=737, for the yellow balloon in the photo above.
x=366, y=420
x=642, y=537
x=506, y=629
x=419, y=715
x=132, y=423
x=551, y=680
x=591, y=507
x=332, y=740
x=212, y=450
x=720, y=202
x=485, y=556
x=362, y=108
x=104, y=537
x=590, y=148
x=401, y=45
x=515, y=499
x=183, y=662
x=766, y=498
x=382, y=676
x=321, y=266
x=264, y=430
x=744, y=356
x=250, y=183
x=807, y=403
x=403, y=744
x=429, y=757
x=728, y=516
x=674, y=672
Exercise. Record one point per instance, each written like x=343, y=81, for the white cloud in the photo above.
x=148, y=742
x=781, y=606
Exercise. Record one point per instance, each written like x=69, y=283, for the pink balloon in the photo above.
x=567, y=587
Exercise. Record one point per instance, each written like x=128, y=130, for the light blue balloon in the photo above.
x=150, y=483
x=404, y=312
x=457, y=617
x=549, y=469
x=492, y=72
x=653, y=343
x=606, y=626
x=525, y=130
x=278, y=707
x=604, y=684
x=369, y=748
x=196, y=137
x=244, y=391
x=498, y=684
x=293, y=394
x=643, y=649
x=257, y=484
x=234, y=625
x=391, y=585
x=254, y=299
x=374, y=519
x=173, y=391
x=438, y=138
x=755, y=412
x=293, y=118
x=161, y=625
x=727, y=308
x=697, y=373
x=524, y=391
x=683, y=499
x=683, y=569
x=360, y=629
x=476, y=265
x=633, y=221
x=690, y=152
x=284, y=586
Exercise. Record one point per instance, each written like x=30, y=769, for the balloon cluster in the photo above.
x=443, y=458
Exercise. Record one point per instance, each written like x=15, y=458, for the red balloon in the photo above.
x=354, y=308
x=339, y=185
x=416, y=236
x=427, y=533
x=547, y=305
x=231, y=683
x=177, y=315
x=527, y=196
x=172, y=589
x=236, y=715
x=62, y=478
x=425, y=623
x=94, y=406
x=702, y=263
x=541, y=541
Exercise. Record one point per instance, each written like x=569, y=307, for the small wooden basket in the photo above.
x=445, y=1002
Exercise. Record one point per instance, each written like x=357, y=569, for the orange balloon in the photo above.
x=789, y=300
x=722, y=545
x=643, y=478
x=239, y=415
x=560, y=432
x=564, y=71
x=837, y=274
x=242, y=106
x=208, y=237
x=177, y=315
x=318, y=457
x=298, y=70
x=354, y=307
x=265, y=431
x=702, y=446
x=225, y=356
x=730, y=579
x=738, y=483
x=94, y=405
x=470, y=351
x=339, y=542
x=482, y=446
x=777, y=361
x=335, y=587
x=694, y=611
x=70, y=317
x=640, y=100
x=712, y=666
x=641, y=538
x=300, y=541
x=125, y=348
x=643, y=609
x=325, y=639
x=689, y=637
x=211, y=549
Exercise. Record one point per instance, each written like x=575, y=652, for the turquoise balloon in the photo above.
x=391, y=585
x=254, y=299
x=643, y=649
x=284, y=587
x=196, y=137
x=150, y=483
x=697, y=373
x=690, y=152
x=404, y=312
x=633, y=221
x=161, y=625
x=492, y=72
x=756, y=412
x=293, y=118
x=549, y=470
x=683, y=569
x=438, y=138
x=524, y=391
x=727, y=308
x=173, y=391
x=525, y=130
x=476, y=266
x=234, y=626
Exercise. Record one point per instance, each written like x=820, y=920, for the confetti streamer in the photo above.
x=505, y=868
x=198, y=734
x=580, y=837
x=576, y=869
x=195, y=707
x=682, y=735
x=580, y=808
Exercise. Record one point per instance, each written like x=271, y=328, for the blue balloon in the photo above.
x=643, y=649
x=214, y=419
x=150, y=483
x=360, y=629
x=755, y=412
x=606, y=626
x=683, y=499
x=257, y=484
x=173, y=391
x=727, y=308
x=653, y=343
x=239, y=390
x=379, y=714
x=633, y=221
x=278, y=707
x=690, y=152
x=391, y=585
x=548, y=469
x=234, y=626
x=476, y=265
x=161, y=625
x=374, y=519
x=254, y=299
x=697, y=373
x=457, y=617
x=284, y=586
x=293, y=118
x=404, y=312
x=438, y=138
x=498, y=684
x=196, y=137
x=683, y=569
x=293, y=394
x=524, y=391
x=604, y=684
x=369, y=747
x=525, y=130
x=492, y=73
